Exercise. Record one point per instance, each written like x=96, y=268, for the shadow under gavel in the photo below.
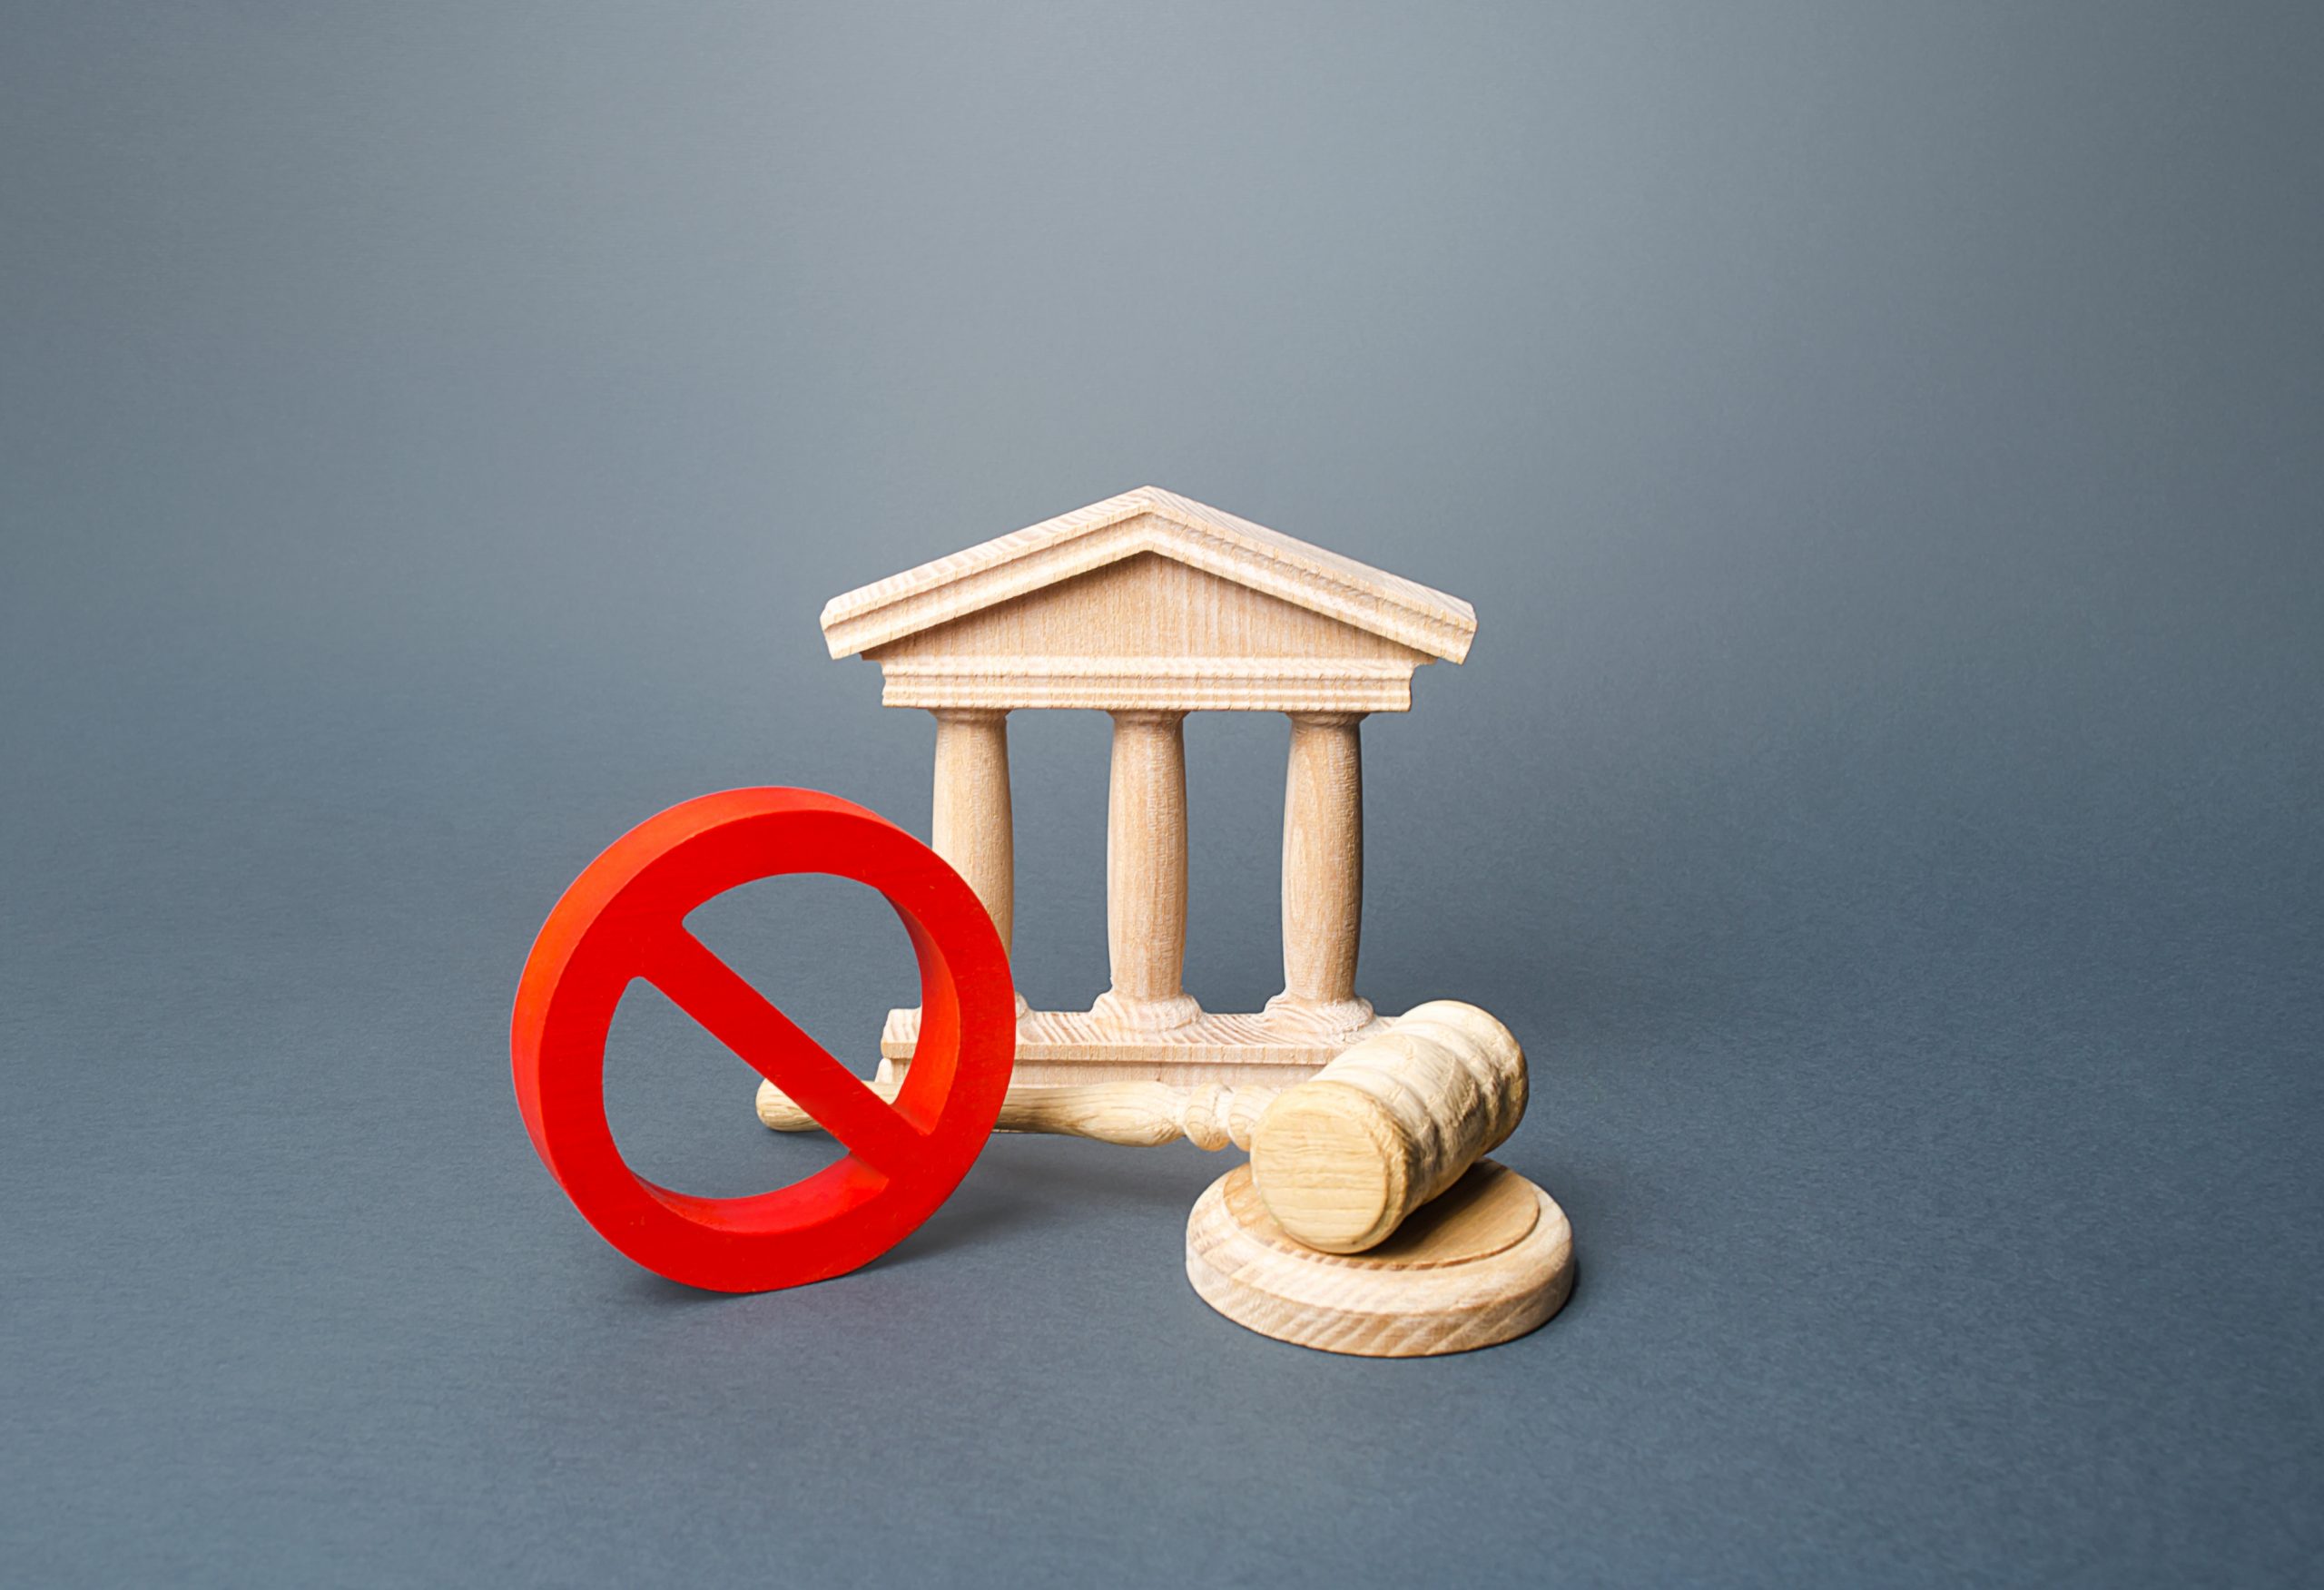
x=1339, y=1159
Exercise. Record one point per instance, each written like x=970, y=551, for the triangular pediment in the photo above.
x=1150, y=521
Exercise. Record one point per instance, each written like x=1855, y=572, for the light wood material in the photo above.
x=1136, y=1114
x=1487, y=1261
x=1146, y=875
x=1343, y=1158
x=1149, y=606
x=1322, y=877
x=1149, y=634
x=1071, y=1046
x=1216, y=611
x=971, y=825
x=1152, y=682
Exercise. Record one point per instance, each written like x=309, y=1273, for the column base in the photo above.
x=1323, y=1019
x=1115, y=1010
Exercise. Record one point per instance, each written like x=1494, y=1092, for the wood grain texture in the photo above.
x=1148, y=634
x=1150, y=606
x=1153, y=683
x=1072, y=1047
x=1322, y=877
x=1489, y=1261
x=1135, y=1114
x=1176, y=529
x=1146, y=876
x=972, y=824
x=1343, y=1158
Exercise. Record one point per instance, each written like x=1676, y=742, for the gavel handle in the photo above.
x=1136, y=1114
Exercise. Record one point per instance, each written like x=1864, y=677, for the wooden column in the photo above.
x=1323, y=877
x=1145, y=874
x=972, y=826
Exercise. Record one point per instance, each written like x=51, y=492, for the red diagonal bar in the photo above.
x=739, y=1016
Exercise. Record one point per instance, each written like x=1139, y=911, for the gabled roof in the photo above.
x=1150, y=519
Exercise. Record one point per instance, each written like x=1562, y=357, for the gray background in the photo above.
x=1884, y=446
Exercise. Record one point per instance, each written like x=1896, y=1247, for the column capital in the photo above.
x=969, y=714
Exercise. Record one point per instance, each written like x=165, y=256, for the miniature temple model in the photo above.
x=1148, y=607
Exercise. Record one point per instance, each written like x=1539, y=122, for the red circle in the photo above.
x=623, y=918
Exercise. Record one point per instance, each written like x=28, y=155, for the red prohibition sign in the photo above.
x=624, y=918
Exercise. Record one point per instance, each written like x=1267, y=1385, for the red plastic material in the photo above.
x=624, y=917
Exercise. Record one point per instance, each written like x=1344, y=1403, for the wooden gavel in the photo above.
x=1339, y=1159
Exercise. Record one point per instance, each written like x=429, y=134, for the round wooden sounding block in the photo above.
x=1486, y=1262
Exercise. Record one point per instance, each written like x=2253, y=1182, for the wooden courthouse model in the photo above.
x=1148, y=607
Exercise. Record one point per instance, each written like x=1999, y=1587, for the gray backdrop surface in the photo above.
x=1885, y=446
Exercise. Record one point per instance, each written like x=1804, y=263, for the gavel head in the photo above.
x=1343, y=1157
